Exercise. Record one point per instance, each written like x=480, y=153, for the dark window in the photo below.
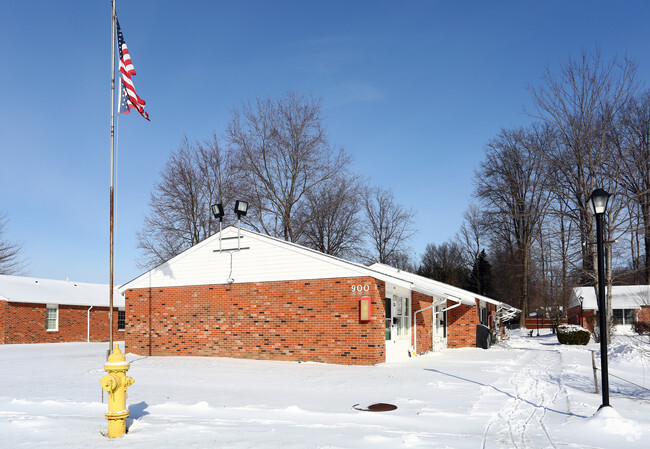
x=623, y=316
x=121, y=320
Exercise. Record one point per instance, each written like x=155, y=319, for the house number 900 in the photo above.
x=360, y=288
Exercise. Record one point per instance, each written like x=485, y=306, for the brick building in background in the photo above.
x=244, y=294
x=630, y=304
x=50, y=311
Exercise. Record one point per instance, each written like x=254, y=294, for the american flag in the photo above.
x=128, y=98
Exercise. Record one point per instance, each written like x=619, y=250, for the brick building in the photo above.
x=630, y=303
x=244, y=294
x=50, y=311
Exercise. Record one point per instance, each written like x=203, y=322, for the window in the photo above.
x=398, y=317
x=52, y=317
x=389, y=316
x=623, y=316
x=121, y=319
x=401, y=315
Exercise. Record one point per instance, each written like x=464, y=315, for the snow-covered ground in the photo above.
x=528, y=392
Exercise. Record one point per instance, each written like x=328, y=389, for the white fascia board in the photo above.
x=428, y=286
x=442, y=294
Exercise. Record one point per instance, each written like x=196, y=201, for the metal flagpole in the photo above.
x=110, y=292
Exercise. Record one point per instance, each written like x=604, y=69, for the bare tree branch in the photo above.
x=11, y=259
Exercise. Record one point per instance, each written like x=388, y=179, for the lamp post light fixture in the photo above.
x=581, y=300
x=598, y=204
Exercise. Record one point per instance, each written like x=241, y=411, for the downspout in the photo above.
x=88, y=327
x=415, y=322
x=458, y=303
x=435, y=303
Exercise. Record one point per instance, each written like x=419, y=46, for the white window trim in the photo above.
x=55, y=307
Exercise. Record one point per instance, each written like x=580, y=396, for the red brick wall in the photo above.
x=424, y=322
x=25, y=323
x=308, y=320
x=589, y=320
x=461, y=325
x=573, y=315
x=3, y=320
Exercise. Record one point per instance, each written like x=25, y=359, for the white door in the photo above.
x=398, y=327
x=440, y=328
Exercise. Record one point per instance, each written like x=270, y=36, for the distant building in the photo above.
x=48, y=311
x=630, y=303
x=247, y=295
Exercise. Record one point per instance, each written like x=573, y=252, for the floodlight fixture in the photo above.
x=241, y=207
x=217, y=211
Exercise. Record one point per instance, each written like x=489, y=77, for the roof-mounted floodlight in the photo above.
x=241, y=207
x=217, y=211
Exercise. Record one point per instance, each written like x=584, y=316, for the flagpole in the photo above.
x=110, y=292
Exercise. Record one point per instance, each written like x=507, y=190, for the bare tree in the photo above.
x=512, y=183
x=283, y=156
x=11, y=260
x=389, y=227
x=335, y=228
x=472, y=237
x=198, y=175
x=583, y=105
x=633, y=158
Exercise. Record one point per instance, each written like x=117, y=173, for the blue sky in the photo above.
x=412, y=90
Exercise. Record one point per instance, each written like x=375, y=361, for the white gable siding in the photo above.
x=261, y=259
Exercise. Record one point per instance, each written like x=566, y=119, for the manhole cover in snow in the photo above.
x=380, y=407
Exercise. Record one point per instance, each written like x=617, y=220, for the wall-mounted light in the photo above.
x=241, y=207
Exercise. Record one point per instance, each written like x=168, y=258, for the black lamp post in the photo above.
x=598, y=204
x=581, y=321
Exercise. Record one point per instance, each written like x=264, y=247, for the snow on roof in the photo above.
x=48, y=291
x=623, y=297
x=440, y=289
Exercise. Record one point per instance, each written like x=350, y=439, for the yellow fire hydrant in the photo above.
x=116, y=382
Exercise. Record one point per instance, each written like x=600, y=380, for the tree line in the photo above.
x=532, y=216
